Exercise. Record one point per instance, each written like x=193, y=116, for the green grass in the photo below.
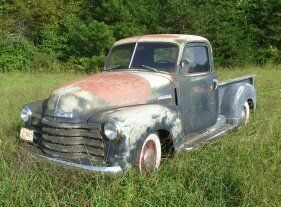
x=242, y=168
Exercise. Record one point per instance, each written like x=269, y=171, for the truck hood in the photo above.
x=77, y=100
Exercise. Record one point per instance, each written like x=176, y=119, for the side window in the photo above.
x=198, y=59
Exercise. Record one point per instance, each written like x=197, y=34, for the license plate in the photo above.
x=26, y=134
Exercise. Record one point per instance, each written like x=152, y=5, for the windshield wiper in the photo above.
x=116, y=67
x=123, y=67
x=150, y=68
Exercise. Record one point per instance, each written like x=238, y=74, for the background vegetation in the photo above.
x=76, y=34
x=241, y=168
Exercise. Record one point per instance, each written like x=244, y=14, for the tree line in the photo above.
x=76, y=35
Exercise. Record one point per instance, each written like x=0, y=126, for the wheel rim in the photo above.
x=150, y=156
x=245, y=113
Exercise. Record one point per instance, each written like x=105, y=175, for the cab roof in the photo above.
x=172, y=38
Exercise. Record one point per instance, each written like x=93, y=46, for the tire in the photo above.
x=149, y=156
x=245, y=113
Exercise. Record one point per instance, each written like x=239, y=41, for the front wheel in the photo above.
x=245, y=113
x=150, y=154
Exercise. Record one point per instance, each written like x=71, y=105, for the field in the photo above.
x=242, y=168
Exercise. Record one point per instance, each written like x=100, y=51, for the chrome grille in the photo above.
x=69, y=142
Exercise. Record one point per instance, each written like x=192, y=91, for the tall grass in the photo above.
x=242, y=168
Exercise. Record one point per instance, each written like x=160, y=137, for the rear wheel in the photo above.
x=245, y=113
x=150, y=154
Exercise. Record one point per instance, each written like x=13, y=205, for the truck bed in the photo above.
x=225, y=85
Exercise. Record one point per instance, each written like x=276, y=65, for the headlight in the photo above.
x=111, y=130
x=25, y=114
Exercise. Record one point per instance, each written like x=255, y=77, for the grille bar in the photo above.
x=93, y=142
x=55, y=124
x=69, y=132
x=75, y=157
x=73, y=149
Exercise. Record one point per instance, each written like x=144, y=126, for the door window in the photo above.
x=198, y=59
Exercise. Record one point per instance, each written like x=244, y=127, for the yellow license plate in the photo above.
x=26, y=134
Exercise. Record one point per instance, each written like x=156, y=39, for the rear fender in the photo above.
x=233, y=100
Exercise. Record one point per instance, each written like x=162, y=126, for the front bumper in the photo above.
x=103, y=169
x=114, y=169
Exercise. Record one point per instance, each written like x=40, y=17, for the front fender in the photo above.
x=37, y=107
x=136, y=123
x=233, y=100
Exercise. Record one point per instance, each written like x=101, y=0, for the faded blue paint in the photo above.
x=233, y=96
x=195, y=112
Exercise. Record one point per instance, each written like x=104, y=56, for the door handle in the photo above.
x=215, y=84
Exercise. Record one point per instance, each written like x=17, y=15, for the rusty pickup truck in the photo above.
x=157, y=95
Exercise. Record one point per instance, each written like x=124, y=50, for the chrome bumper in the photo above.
x=114, y=169
x=102, y=169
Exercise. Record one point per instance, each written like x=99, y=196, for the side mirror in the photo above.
x=184, y=62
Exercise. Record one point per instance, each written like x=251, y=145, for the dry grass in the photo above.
x=242, y=168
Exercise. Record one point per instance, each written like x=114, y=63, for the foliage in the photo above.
x=15, y=53
x=241, y=32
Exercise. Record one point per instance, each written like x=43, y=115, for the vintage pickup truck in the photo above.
x=157, y=95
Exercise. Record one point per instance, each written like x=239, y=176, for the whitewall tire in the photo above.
x=245, y=113
x=150, y=154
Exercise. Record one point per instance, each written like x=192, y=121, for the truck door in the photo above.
x=198, y=88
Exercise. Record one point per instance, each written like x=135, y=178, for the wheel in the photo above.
x=245, y=113
x=150, y=154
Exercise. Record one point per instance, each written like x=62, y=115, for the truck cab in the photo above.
x=157, y=94
x=190, y=66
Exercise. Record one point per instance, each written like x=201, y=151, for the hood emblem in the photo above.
x=169, y=96
x=61, y=114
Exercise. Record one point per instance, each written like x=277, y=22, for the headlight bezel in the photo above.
x=26, y=114
x=111, y=130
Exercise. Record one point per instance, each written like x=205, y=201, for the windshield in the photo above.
x=158, y=56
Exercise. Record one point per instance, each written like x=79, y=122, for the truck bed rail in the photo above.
x=235, y=80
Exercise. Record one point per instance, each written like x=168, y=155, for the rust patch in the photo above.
x=118, y=88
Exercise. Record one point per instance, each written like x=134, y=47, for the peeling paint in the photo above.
x=140, y=103
x=137, y=122
x=109, y=90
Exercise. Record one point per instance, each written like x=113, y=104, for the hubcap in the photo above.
x=245, y=113
x=149, y=157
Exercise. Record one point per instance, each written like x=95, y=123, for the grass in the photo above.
x=242, y=168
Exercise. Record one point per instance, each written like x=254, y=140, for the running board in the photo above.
x=197, y=139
